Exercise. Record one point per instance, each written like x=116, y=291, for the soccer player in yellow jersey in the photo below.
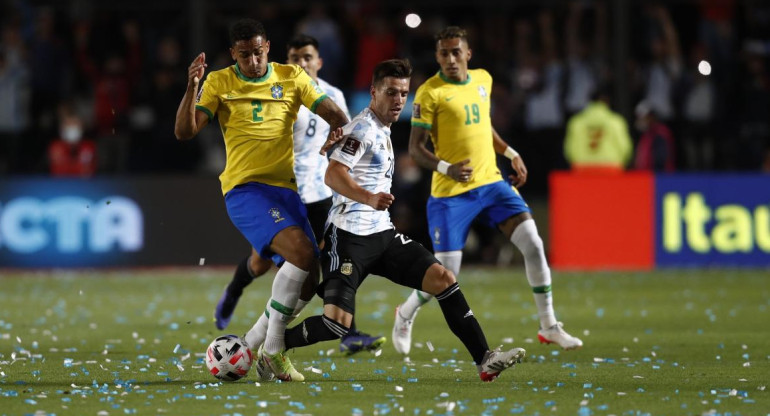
x=452, y=109
x=257, y=102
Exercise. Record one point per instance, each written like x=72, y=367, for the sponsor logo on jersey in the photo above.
x=346, y=269
x=467, y=314
x=351, y=146
x=416, y=110
x=276, y=214
x=276, y=91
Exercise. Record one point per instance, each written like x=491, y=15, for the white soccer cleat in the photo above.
x=557, y=335
x=495, y=361
x=402, y=333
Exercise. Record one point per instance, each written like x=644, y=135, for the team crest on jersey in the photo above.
x=416, y=110
x=436, y=236
x=276, y=91
x=346, y=268
x=276, y=214
x=483, y=93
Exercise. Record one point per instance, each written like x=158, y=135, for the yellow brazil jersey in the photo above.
x=457, y=115
x=256, y=116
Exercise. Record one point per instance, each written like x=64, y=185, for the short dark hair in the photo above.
x=396, y=68
x=300, y=41
x=452, y=32
x=246, y=29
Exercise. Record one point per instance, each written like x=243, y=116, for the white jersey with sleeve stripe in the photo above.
x=365, y=149
x=310, y=133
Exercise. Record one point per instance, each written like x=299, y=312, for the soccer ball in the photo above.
x=229, y=358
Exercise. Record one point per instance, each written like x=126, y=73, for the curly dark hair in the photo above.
x=246, y=29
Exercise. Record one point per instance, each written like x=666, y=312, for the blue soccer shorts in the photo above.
x=450, y=218
x=261, y=211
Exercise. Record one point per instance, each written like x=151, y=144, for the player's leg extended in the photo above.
x=522, y=232
x=248, y=269
x=458, y=315
x=449, y=220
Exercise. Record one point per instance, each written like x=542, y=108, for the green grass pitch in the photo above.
x=131, y=342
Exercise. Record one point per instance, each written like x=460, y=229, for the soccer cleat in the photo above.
x=402, y=333
x=557, y=335
x=280, y=365
x=224, y=310
x=495, y=361
x=355, y=342
x=263, y=370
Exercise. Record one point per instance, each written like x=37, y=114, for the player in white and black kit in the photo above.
x=310, y=133
x=361, y=239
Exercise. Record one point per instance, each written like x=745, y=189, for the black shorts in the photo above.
x=317, y=212
x=347, y=259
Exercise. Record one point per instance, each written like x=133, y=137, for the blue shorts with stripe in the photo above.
x=450, y=218
x=261, y=211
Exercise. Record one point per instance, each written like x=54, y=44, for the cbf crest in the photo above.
x=276, y=91
x=483, y=93
x=276, y=214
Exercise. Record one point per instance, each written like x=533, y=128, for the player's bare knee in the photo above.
x=438, y=278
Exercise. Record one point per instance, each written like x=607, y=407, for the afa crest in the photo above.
x=276, y=91
x=276, y=214
x=346, y=268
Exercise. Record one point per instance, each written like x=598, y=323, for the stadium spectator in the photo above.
x=113, y=77
x=47, y=50
x=699, y=101
x=543, y=111
x=452, y=109
x=366, y=242
x=665, y=68
x=597, y=138
x=655, y=150
x=14, y=99
x=585, y=57
x=261, y=199
x=71, y=154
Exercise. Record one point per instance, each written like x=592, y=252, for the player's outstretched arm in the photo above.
x=189, y=121
x=517, y=163
x=341, y=182
x=335, y=116
x=418, y=139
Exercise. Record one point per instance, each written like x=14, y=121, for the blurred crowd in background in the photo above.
x=92, y=88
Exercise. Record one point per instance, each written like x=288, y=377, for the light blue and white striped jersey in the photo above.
x=366, y=149
x=310, y=133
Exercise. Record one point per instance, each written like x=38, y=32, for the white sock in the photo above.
x=256, y=335
x=298, y=309
x=286, y=288
x=526, y=238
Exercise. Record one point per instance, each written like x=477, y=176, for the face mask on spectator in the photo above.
x=71, y=134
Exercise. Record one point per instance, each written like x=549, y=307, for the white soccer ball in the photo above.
x=229, y=358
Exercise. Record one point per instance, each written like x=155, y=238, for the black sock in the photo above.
x=241, y=278
x=461, y=321
x=314, y=329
